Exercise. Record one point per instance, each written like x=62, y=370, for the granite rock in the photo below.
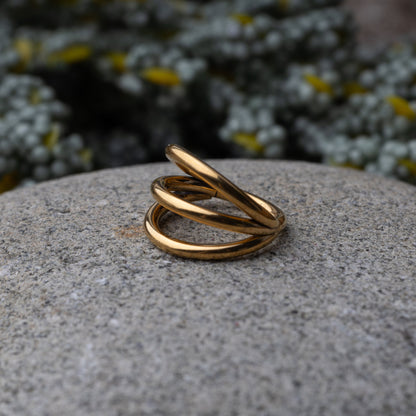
x=94, y=320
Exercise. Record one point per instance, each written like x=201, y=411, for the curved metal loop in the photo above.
x=195, y=167
x=164, y=188
x=177, y=194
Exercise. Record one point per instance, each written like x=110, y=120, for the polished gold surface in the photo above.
x=195, y=167
x=177, y=194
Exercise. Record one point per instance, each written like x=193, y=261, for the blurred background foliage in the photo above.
x=90, y=84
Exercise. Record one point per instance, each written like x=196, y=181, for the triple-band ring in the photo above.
x=177, y=194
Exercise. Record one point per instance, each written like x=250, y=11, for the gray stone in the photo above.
x=94, y=320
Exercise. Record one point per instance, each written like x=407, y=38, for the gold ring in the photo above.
x=177, y=194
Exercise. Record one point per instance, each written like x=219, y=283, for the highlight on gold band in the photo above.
x=177, y=194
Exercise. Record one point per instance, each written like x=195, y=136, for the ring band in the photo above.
x=162, y=192
x=177, y=194
x=195, y=167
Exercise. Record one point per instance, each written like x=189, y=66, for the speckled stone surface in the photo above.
x=94, y=320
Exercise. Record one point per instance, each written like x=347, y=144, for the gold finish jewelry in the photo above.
x=177, y=194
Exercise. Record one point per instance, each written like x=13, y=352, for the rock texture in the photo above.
x=94, y=320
